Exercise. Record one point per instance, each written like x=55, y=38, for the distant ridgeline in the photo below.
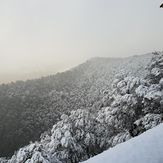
x=107, y=109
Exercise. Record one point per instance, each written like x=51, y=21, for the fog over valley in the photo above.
x=19, y=72
x=40, y=38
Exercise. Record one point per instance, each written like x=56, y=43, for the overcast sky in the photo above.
x=53, y=35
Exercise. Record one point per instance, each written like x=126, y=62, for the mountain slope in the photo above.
x=132, y=106
x=146, y=148
x=32, y=107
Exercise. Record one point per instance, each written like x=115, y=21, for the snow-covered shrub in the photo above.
x=33, y=153
x=119, y=138
x=3, y=160
x=77, y=137
x=149, y=121
x=155, y=69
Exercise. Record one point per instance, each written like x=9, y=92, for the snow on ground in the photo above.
x=146, y=148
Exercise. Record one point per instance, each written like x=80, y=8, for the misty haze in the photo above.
x=41, y=38
x=79, y=77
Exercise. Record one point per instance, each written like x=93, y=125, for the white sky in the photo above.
x=53, y=35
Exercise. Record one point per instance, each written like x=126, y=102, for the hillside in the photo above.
x=123, y=108
x=32, y=107
x=146, y=148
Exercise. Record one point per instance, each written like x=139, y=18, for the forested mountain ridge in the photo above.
x=132, y=106
x=32, y=107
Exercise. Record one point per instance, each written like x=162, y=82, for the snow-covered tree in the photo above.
x=35, y=152
x=77, y=137
x=135, y=104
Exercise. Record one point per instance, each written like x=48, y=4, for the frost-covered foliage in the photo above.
x=156, y=68
x=149, y=121
x=32, y=107
x=153, y=99
x=121, y=108
x=135, y=104
x=75, y=138
x=123, y=102
x=3, y=160
x=32, y=153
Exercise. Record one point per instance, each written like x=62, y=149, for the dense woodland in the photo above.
x=93, y=106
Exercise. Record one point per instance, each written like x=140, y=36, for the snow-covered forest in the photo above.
x=82, y=112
